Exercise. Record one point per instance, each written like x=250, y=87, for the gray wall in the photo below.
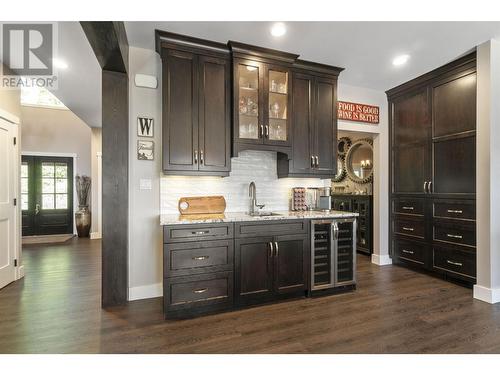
x=56, y=131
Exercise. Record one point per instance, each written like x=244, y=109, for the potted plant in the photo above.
x=82, y=216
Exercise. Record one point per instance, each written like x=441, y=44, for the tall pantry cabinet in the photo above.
x=432, y=171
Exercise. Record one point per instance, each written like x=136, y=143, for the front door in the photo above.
x=8, y=167
x=46, y=195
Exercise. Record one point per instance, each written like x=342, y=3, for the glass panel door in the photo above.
x=248, y=101
x=278, y=106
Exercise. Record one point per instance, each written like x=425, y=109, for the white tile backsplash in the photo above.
x=257, y=166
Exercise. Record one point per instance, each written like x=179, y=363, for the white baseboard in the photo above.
x=145, y=291
x=20, y=272
x=381, y=260
x=95, y=235
x=486, y=294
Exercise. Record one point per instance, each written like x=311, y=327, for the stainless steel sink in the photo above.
x=263, y=213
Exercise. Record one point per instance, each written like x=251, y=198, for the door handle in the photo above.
x=312, y=161
x=262, y=131
x=277, y=248
x=201, y=157
x=271, y=249
x=429, y=188
x=37, y=209
x=267, y=131
x=425, y=187
x=196, y=156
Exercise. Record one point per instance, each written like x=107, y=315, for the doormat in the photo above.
x=53, y=238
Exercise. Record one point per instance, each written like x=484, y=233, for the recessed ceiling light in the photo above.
x=400, y=60
x=278, y=29
x=60, y=64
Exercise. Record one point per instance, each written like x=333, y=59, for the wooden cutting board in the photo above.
x=202, y=205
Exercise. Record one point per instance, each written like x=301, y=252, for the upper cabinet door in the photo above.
x=248, y=101
x=180, y=111
x=302, y=129
x=277, y=104
x=325, y=127
x=411, y=143
x=454, y=106
x=454, y=135
x=214, y=114
x=411, y=122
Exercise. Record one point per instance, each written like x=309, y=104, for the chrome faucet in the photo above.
x=252, y=192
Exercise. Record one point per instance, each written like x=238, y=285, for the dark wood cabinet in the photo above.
x=196, y=106
x=314, y=122
x=254, y=269
x=262, y=90
x=291, y=264
x=432, y=170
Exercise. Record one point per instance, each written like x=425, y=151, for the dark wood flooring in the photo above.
x=56, y=309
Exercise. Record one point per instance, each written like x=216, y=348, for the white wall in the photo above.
x=487, y=178
x=96, y=188
x=56, y=131
x=145, y=235
x=380, y=163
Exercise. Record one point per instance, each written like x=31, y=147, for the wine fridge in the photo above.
x=333, y=253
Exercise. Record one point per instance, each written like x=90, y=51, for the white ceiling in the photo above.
x=364, y=49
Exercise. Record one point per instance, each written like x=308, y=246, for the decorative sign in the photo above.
x=145, y=126
x=145, y=150
x=358, y=112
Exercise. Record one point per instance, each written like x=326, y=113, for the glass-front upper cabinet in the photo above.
x=262, y=94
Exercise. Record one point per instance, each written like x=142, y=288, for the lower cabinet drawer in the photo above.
x=182, y=259
x=455, y=209
x=409, y=227
x=410, y=251
x=202, y=291
x=456, y=234
x=455, y=261
x=266, y=228
x=409, y=206
x=197, y=232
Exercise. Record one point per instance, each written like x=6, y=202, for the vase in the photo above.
x=83, y=221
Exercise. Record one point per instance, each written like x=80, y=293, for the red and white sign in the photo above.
x=358, y=112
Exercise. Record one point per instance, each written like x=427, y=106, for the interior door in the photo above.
x=302, y=129
x=325, y=127
x=214, y=114
x=290, y=264
x=47, y=195
x=180, y=111
x=254, y=269
x=8, y=186
x=411, y=142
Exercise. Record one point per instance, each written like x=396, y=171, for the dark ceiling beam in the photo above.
x=109, y=41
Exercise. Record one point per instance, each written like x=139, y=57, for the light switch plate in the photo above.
x=145, y=184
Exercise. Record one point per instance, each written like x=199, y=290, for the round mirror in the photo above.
x=341, y=173
x=359, y=161
x=343, y=145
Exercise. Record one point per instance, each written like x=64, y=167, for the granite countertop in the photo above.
x=230, y=217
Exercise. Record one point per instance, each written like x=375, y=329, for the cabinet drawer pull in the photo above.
x=454, y=236
x=407, y=251
x=408, y=208
x=408, y=229
x=201, y=232
x=196, y=156
x=454, y=263
x=454, y=211
x=203, y=257
x=199, y=291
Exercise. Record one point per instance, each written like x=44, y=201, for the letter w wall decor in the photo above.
x=145, y=126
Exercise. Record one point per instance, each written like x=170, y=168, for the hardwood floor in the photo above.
x=56, y=309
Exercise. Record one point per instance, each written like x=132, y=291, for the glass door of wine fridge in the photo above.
x=333, y=253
